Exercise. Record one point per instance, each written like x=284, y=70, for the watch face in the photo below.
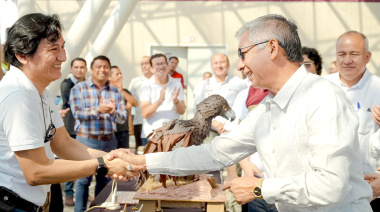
x=102, y=170
x=257, y=191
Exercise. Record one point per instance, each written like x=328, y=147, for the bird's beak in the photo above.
x=230, y=115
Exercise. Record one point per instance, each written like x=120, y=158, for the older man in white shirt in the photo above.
x=304, y=130
x=363, y=90
x=222, y=83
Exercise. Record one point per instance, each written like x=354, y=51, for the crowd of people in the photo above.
x=304, y=142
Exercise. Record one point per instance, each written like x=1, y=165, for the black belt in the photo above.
x=10, y=200
x=96, y=137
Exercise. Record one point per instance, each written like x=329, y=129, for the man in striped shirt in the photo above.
x=97, y=107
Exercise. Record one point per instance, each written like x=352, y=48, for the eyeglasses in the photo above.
x=307, y=64
x=242, y=54
x=50, y=132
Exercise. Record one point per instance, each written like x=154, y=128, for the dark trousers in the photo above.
x=137, y=131
x=122, y=139
x=56, y=201
x=375, y=205
x=259, y=205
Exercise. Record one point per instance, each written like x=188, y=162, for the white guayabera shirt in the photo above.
x=307, y=138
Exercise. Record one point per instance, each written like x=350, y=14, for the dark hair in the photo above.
x=25, y=35
x=100, y=57
x=156, y=56
x=173, y=57
x=313, y=55
x=78, y=59
x=112, y=67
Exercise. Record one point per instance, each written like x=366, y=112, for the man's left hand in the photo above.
x=376, y=114
x=242, y=188
x=374, y=180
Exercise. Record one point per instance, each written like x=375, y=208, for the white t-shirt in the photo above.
x=150, y=91
x=22, y=127
x=363, y=95
x=134, y=88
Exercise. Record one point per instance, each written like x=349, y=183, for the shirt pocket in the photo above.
x=365, y=122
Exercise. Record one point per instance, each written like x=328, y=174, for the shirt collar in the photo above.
x=153, y=80
x=26, y=82
x=226, y=80
x=73, y=79
x=91, y=83
x=361, y=82
x=286, y=92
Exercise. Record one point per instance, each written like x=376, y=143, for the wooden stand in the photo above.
x=155, y=204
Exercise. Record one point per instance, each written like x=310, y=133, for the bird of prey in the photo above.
x=184, y=133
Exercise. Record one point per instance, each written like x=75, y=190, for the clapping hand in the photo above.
x=376, y=114
x=374, y=180
x=107, y=107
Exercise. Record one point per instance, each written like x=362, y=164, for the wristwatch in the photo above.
x=257, y=189
x=102, y=169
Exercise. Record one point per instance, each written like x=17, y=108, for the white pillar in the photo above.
x=26, y=7
x=79, y=34
x=111, y=28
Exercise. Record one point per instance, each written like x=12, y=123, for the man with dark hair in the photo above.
x=161, y=96
x=97, y=107
x=31, y=129
x=308, y=148
x=122, y=132
x=78, y=70
x=173, y=64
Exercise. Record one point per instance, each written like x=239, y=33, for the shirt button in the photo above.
x=275, y=175
x=274, y=127
x=273, y=150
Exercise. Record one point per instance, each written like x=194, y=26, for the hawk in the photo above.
x=184, y=133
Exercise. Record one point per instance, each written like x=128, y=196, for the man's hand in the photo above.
x=374, y=180
x=137, y=162
x=64, y=112
x=175, y=95
x=219, y=126
x=117, y=169
x=376, y=113
x=242, y=188
x=105, y=107
x=162, y=93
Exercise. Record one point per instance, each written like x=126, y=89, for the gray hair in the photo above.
x=274, y=27
x=357, y=33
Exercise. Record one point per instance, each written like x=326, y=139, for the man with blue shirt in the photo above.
x=97, y=106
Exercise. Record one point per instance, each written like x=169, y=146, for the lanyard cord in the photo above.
x=43, y=113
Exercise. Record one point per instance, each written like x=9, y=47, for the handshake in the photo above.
x=124, y=165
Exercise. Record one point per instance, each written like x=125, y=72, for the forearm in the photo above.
x=148, y=110
x=130, y=99
x=68, y=148
x=181, y=107
x=60, y=171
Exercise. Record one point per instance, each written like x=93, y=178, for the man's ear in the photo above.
x=369, y=54
x=21, y=59
x=274, y=48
